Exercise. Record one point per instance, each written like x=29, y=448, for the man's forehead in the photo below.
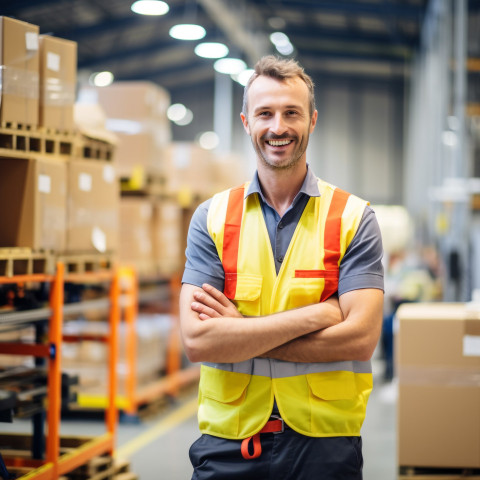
x=275, y=87
x=264, y=81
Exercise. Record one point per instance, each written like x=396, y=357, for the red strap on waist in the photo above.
x=272, y=426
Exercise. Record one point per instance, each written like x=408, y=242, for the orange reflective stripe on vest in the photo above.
x=231, y=239
x=333, y=226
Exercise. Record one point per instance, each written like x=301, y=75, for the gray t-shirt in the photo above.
x=361, y=266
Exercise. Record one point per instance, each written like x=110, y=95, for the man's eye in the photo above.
x=291, y=112
x=264, y=114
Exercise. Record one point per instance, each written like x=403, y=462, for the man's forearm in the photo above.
x=233, y=339
x=353, y=339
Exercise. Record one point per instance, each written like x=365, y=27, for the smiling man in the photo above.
x=282, y=303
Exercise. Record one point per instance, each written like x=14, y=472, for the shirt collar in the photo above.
x=309, y=186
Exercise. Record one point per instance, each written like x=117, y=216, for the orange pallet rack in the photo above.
x=175, y=376
x=55, y=464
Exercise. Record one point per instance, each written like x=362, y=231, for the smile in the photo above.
x=278, y=143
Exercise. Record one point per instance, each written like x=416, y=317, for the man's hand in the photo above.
x=210, y=302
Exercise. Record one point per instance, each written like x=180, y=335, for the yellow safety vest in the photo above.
x=315, y=399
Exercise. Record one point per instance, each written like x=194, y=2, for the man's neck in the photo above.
x=280, y=187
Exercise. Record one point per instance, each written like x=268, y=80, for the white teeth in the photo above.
x=278, y=143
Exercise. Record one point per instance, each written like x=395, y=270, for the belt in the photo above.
x=272, y=426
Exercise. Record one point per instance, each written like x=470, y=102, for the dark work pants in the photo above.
x=285, y=456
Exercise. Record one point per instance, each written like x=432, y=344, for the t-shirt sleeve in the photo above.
x=361, y=266
x=202, y=264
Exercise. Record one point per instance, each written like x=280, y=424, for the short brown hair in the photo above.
x=281, y=69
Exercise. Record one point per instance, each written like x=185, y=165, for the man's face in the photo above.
x=278, y=121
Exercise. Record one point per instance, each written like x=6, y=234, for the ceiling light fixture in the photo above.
x=230, y=66
x=208, y=140
x=176, y=112
x=101, y=79
x=243, y=77
x=187, y=118
x=282, y=43
x=187, y=31
x=150, y=7
x=211, y=50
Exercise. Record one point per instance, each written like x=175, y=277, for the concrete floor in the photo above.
x=158, y=447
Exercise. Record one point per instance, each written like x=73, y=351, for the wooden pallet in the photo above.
x=93, y=148
x=25, y=261
x=103, y=468
x=87, y=262
x=23, y=142
x=422, y=473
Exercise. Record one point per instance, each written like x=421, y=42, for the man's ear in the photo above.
x=245, y=123
x=313, y=121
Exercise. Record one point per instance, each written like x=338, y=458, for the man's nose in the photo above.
x=278, y=124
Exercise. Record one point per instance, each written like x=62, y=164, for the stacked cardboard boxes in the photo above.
x=438, y=359
x=137, y=113
x=59, y=203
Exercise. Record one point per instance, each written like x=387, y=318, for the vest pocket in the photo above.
x=245, y=290
x=305, y=291
x=222, y=394
x=222, y=385
x=307, y=286
x=332, y=385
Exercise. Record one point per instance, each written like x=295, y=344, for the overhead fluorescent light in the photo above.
x=230, y=66
x=101, y=79
x=187, y=119
x=208, y=140
x=187, y=31
x=211, y=50
x=150, y=7
x=243, y=77
x=176, y=111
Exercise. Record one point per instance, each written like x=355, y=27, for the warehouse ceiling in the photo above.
x=344, y=38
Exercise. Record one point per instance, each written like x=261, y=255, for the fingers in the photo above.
x=207, y=300
x=217, y=294
x=204, y=311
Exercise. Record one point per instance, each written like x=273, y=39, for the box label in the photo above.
x=99, y=239
x=471, y=346
x=108, y=174
x=53, y=61
x=31, y=40
x=85, y=182
x=44, y=183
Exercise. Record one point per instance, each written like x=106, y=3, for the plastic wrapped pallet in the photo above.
x=19, y=64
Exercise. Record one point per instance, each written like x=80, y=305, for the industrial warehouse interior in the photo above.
x=119, y=118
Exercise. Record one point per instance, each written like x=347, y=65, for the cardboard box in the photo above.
x=93, y=200
x=438, y=359
x=33, y=195
x=140, y=101
x=189, y=170
x=137, y=151
x=135, y=245
x=58, y=79
x=167, y=236
x=19, y=60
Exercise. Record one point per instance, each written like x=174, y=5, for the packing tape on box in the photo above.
x=19, y=82
x=439, y=375
x=57, y=93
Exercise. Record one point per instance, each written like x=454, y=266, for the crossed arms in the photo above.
x=347, y=328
